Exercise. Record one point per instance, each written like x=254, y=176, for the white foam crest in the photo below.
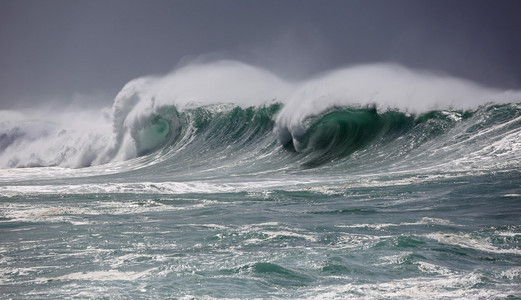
x=218, y=82
x=68, y=139
x=109, y=275
x=380, y=226
x=450, y=286
x=277, y=234
x=77, y=137
x=192, y=85
x=19, y=212
x=170, y=187
x=30, y=213
x=512, y=273
x=386, y=86
x=432, y=268
x=393, y=259
x=471, y=242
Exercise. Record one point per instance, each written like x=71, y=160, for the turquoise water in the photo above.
x=430, y=238
x=426, y=222
x=278, y=200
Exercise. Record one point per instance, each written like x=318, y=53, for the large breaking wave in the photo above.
x=232, y=116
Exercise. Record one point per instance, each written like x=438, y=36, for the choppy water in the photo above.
x=289, y=199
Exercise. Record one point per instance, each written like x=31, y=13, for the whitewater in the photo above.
x=224, y=180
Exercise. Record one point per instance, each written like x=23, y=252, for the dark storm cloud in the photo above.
x=54, y=49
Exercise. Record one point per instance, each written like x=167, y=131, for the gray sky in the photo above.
x=55, y=49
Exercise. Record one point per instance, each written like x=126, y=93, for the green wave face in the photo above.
x=153, y=135
x=159, y=131
x=232, y=124
x=237, y=140
x=342, y=132
x=338, y=134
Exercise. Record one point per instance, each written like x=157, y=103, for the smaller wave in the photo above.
x=276, y=274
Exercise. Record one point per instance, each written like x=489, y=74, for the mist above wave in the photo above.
x=145, y=114
x=384, y=87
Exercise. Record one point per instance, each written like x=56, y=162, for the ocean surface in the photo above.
x=222, y=181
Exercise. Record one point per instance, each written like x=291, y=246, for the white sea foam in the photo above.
x=512, y=195
x=380, y=226
x=283, y=234
x=19, y=212
x=68, y=139
x=393, y=259
x=451, y=286
x=512, y=273
x=109, y=275
x=360, y=241
x=79, y=137
x=35, y=213
x=472, y=242
x=170, y=187
x=432, y=268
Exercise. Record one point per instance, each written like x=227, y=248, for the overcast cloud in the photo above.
x=60, y=49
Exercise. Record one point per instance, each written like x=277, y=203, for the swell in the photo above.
x=232, y=118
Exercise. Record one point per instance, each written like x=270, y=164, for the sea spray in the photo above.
x=54, y=138
x=386, y=87
x=145, y=115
